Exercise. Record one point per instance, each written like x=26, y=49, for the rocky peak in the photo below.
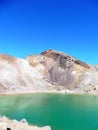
x=66, y=70
x=63, y=58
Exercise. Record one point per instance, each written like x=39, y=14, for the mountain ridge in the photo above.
x=51, y=71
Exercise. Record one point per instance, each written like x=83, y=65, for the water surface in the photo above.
x=61, y=112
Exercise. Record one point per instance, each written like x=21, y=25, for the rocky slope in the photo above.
x=51, y=71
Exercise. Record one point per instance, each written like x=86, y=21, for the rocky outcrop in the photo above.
x=6, y=124
x=71, y=73
x=50, y=71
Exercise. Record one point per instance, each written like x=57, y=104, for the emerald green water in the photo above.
x=61, y=112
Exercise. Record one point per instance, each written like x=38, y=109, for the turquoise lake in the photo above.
x=61, y=112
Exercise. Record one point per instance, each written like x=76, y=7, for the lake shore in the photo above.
x=6, y=123
x=49, y=92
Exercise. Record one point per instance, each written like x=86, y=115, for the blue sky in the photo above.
x=32, y=26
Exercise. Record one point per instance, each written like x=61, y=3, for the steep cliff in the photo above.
x=50, y=71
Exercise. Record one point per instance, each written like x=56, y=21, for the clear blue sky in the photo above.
x=32, y=26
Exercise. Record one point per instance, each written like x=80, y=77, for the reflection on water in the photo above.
x=61, y=112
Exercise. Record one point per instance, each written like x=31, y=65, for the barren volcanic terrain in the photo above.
x=51, y=71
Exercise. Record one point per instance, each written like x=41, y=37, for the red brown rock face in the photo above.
x=62, y=68
x=63, y=57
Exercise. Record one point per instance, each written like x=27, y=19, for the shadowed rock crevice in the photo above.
x=62, y=73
